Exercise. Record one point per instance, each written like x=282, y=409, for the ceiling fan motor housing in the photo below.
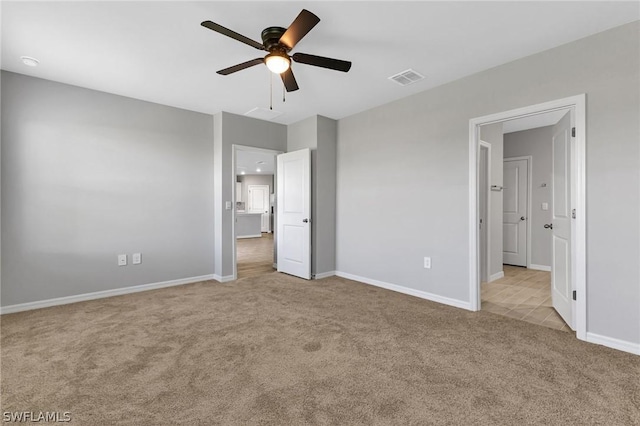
x=271, y=39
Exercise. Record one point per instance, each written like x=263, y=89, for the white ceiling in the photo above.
x=250, y=161
x=157, y=51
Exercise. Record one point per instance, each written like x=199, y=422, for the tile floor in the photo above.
x=523, y=294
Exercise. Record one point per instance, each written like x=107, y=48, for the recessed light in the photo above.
x=242, y=172
x=257, y=170
x=29, y=61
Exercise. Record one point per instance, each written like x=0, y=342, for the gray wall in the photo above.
x=88, y=175
x=492, y=134
x=318, y=133
x=418, y=148
x=235, y=129
x=537, y=144
x=325, y=195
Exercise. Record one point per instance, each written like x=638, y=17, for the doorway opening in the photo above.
x=254, y=215
x=528, y=250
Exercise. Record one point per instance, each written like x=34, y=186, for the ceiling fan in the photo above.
x=279, y=42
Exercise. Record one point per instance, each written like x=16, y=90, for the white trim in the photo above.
x=275, y=266
x=224, y=279
x=100, y=294
x=249, y=236
x=474, y=241
x=578, y=105
x=406, y=290
x=610, y=342
x=540, y=267
x=324, y=275
x=496, y=276
x=529, y=160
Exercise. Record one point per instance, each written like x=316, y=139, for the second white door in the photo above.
x=516, y=176
x=259, y=203
x=560, y=227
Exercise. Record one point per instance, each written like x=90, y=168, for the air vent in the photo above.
x=263, y=113
x=406, y=77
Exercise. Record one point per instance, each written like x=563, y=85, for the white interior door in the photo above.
x=561, y=288
x=516, y=176
x=259, y=203
x=294, y=213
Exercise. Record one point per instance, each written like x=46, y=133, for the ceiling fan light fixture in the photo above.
x=277, y=62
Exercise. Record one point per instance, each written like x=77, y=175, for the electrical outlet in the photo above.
x=122, y=260
x=136, y=258
x=545, y=206
x=427, y=263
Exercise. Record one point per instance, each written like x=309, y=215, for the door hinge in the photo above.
x=574, y=295
x=573, y=132
x=573, y=213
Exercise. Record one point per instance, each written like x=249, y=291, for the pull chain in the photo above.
x=283, y=93
x=271, y=91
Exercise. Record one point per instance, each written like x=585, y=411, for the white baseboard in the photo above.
x=222, y=279
x=540, y=267
x=99, y=294
x=610, y=342
x=324, y=275
x=249, y=236
x=406, y=290
x=275, y=266
x=496, y=276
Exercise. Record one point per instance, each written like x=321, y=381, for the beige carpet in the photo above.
x=278, y=350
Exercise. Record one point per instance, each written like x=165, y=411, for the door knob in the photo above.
x=522, y=218
x=548, y=225
x=305, y=220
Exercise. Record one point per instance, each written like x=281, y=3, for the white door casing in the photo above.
x=577, y=105
x=294, y=213
x=258, y=196
x=561, y=287
x=515, y=207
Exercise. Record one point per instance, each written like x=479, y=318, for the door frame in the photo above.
x=578, y=188
x=234, y=149
x=486, y=145
x=529, y=160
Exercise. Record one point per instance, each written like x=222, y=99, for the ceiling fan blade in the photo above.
x=300, y=26
x=289, y=81
x=241, y=66
x=321, y=61
x=234, y=35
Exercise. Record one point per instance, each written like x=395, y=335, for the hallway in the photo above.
x=523, y=294
x=255, y=255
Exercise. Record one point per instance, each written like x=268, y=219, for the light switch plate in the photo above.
x=122, y=260
x=136, y=258
x=227, y=205
x=545, y=206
